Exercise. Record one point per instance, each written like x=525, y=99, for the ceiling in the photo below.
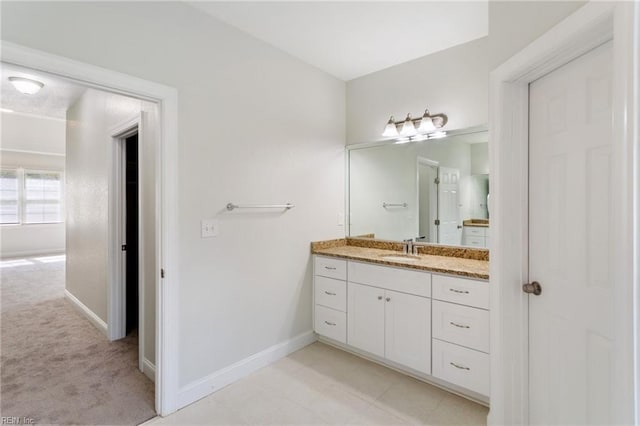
x=52, y=100
x=352, y=39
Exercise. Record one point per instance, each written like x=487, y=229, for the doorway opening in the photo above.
x=132, y=230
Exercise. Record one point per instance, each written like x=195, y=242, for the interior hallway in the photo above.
x=56, y=366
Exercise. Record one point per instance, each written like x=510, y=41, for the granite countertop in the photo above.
x=445, y=264
x=480, y=223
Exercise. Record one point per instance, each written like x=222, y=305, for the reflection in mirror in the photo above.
x=434, y=191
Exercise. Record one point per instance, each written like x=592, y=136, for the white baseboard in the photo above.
x=149, y=369
x=200, y=388
x=30, y=253
x=86, y=312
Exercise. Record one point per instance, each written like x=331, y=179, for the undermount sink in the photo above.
x=400, y=257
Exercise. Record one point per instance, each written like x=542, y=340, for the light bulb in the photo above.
x=426, y=123
x=26, y=85
x=390, y=130
x=408, y=129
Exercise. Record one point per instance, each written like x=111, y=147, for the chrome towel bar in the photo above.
x=287, y=206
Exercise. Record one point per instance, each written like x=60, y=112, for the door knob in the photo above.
x=534, y=288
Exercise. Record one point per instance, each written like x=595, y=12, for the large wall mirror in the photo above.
x=434, y=191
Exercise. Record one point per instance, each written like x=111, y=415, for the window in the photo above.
x=9, y=197
x=29, y=196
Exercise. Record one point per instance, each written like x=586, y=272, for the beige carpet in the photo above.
x=56, y=368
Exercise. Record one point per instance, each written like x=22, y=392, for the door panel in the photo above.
x=449, y=205
x=408, y=330
x=570, y=323
x=365, y=318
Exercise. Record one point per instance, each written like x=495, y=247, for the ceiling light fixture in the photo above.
x=26, y=85
x=416, y=129
x=390, y=130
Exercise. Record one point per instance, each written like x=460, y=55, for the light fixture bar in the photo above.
x=411, y=127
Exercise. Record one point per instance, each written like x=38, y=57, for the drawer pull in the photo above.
x=330, y=323
x=388, y=299
x=379, y=297
x=459, y=325
x=329, y=293
x=461, y=367
x=331, y=268
x=459, y=291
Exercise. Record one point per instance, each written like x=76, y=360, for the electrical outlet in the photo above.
x=209, y=228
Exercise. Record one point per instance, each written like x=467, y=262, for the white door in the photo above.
x=570, y=323
x=408, y=330
x=365, y=318
x=449, y=205
x=427, y=200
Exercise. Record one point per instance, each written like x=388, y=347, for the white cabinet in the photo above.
x=408, y=330
x=366, y=318
x=475, y=236
x=386, y=322
x=330, y=298
x=436, y=325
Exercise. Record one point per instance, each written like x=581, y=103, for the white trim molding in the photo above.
x=86, y=312
x=149, y=369
x=224, y=377
x=587, y=28
x=31, y=253
x=167, y=247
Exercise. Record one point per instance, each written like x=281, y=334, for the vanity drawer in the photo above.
x=331, y=323
x=331, y=293
x=461, y=290
x=402, y=280
x=461, y=366
x=474, y=231
x=474, y=241
x=330, y=267
x=462, y=325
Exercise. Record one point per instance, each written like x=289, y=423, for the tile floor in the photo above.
x=323, y=385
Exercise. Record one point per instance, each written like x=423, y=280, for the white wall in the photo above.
x=89, y=140
x=515, y=24
x=25, y=132
x=454, y=81
x=37, y=143
x=479, y=158
x=255, y=126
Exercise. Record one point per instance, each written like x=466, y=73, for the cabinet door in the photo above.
x=408, y=330
x=365, y=318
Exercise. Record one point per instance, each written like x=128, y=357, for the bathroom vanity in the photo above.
x=426, y=315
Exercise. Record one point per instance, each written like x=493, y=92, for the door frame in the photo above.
x=116, y=265
x=587, y=28
x=432, y=226
x=166, y=189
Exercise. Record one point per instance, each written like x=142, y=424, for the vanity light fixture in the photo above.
x=26, y=86
x=390, y=130
x=416, y=129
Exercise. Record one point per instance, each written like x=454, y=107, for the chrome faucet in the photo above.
x=408, y=246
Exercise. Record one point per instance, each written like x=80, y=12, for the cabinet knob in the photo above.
x=379, y=297
x=388, y=299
